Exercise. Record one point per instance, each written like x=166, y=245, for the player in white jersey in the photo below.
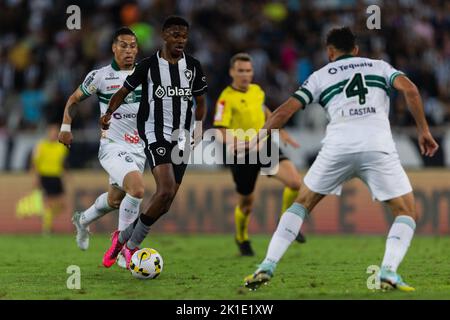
x=358, y=143
x=121, y=151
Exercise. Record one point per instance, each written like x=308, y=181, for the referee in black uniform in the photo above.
x=171, y=81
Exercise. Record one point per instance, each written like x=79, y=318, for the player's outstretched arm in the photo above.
x=276, y=121
x=280, y=116
x=428, y=146
x=114, y=104
x=65, y=135
x=284, y=135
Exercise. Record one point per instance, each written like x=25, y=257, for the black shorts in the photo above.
x=245, y=175
x=160, y=152
x=52, y=186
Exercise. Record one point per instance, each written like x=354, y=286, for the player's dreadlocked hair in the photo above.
x=342, y=39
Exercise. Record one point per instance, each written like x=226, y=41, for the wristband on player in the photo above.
x=65, y=127
x=109, y=111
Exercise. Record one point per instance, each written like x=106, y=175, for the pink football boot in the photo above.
x=110, y=256
x=128, y=253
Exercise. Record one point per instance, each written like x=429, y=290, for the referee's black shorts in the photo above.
x=52, y=186
x=160, y=152
x=245, y=175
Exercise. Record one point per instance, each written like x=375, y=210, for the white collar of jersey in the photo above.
x=158, y=54
x=344, y=56
x=114, y=65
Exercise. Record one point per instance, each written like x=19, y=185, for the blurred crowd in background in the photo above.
x=42, y=62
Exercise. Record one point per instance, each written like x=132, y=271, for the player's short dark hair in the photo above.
x=123, y=31
x=241, y=56
x=174, y=21
x=342, y=39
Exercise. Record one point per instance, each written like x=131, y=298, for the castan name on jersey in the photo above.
x=361, y=111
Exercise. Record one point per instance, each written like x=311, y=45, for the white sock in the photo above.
x=97, y=210
x=128, y=211
x=287, y=230
x=398, y=241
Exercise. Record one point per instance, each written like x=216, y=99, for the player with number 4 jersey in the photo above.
x=354, y=91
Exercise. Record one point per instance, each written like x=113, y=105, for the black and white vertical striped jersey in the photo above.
x=167, y=102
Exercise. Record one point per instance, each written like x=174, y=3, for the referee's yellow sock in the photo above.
x=241, y=222
x=47, y=221
x=289, y=196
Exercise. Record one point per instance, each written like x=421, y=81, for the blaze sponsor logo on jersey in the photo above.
x=160, y=92
x=219, y=111
x=178, y=92
x=173, y=92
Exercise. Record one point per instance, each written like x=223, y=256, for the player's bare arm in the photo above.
x=200, y=109
x=200, y=114
x=114, y=104
x=428, y=146
x=65, y=135
x=277, y=119
x=284, y=135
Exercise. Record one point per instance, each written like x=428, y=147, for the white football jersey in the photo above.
x=123, y=127
x=355, y=94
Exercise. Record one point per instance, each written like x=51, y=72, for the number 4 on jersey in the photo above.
x=355, y=87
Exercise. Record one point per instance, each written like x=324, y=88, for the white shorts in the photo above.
x=381, y=172
x=118, y=162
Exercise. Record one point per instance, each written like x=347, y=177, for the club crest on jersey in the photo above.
x=188, y=74
x=161, y=151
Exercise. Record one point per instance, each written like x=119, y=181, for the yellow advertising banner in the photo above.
x=206, y=200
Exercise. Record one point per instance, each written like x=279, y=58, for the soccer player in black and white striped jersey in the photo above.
x=171, y=80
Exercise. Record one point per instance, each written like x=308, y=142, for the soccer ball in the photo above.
x=146, y=263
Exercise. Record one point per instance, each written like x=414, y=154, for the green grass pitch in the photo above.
x=208, y=267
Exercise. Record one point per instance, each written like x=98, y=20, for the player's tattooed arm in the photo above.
x=65, y=134
x=114, y=104
x=71, y=104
